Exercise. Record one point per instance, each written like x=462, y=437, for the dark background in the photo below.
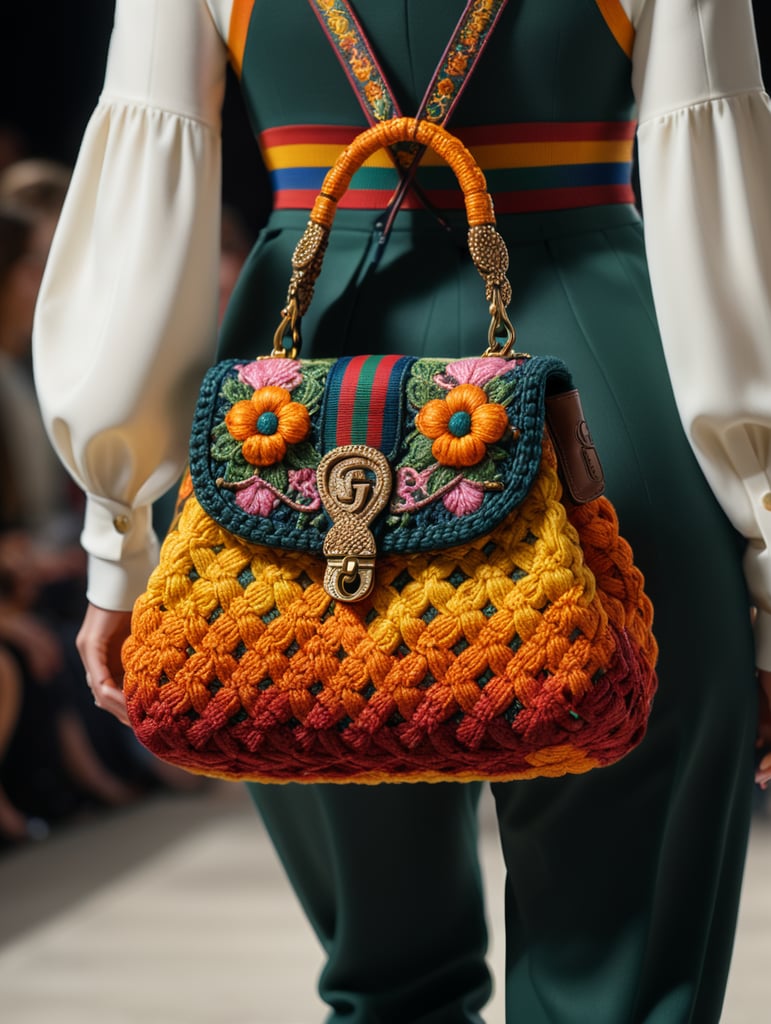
x=52, y=60
x=52, y=57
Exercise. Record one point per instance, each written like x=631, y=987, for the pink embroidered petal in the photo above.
x=304, y=482
x=281, y=373
x=257, y=499
x=472, y=371
x=464, y=498
x=411, y=484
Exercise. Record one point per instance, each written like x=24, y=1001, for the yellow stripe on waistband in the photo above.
x=619, y=24
x=553, y=154
x=489, y=157
x=323, y=154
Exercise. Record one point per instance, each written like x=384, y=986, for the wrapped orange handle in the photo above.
x=487, y=248
x=479, y=205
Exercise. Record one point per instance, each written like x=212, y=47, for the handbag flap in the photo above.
x=463, y=439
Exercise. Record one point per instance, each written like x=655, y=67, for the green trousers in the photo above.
x=623, y=885
x=621, y=889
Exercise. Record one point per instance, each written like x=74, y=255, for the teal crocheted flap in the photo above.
x=462, y=438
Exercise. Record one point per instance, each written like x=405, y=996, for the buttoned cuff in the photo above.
x=122, y=552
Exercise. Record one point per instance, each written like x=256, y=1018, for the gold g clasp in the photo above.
x=354, y=483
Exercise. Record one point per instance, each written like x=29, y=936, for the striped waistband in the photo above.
x=530, y=167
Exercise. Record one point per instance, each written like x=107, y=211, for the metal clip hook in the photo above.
x=354, y=483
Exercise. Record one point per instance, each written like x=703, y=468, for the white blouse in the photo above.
x=126, y=320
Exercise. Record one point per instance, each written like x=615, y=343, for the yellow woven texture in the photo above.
x=198, y=624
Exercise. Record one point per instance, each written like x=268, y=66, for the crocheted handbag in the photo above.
x=374, y=575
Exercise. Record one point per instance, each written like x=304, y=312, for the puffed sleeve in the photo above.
x=705, y=176
x=126, y=318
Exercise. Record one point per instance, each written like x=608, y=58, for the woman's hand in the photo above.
x=99, y=642
x=763, y=772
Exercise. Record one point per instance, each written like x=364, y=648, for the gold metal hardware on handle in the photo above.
x=354, y=483
x=500, y=334
x=290, y=322
x=487, y=247
x=306, y=265
x=491, y=258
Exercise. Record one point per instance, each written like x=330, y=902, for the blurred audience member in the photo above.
x=57, y=752
x=31, y=195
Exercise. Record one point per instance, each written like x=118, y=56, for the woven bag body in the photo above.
x=374, y=576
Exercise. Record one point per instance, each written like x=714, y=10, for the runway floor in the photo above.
x=176, y=910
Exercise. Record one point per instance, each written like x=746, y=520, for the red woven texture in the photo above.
x=462, y=664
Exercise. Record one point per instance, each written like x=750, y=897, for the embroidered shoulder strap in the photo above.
x=376, y=98
x=367, y=79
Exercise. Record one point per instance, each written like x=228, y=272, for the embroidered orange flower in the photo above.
x=361, y=67
x=267, y=423
x=445, y=87
x=373, y=92
x=462, y=425
x=457, y=63
x=479, y=21
x=339, y=23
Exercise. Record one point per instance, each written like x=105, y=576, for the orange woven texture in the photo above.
x=507, y=658
x=479, y=205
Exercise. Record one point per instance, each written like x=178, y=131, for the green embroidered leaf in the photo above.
x=311, y=391
x=419, y=454
x=441, y=476
x=420, y=386
x=301, y=456
x=496, y=453
x=501, y=390
x=225, y=446
x=236, y=390
x=239, y=469
x=277, y=476
x=319, y=522
x=484, y=470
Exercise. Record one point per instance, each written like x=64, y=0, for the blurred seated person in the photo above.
x=57, y=752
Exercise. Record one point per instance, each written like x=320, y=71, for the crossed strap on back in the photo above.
x=370, y=85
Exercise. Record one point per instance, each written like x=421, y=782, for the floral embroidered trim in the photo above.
x=434, y=503
x=450, y=78
x=462, y=425
x=266, y=423
x=456, y=421
x=365, y=75
x=269, y=407
x=348, y=39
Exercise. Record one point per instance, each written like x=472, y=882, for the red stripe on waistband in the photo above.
x=303, y=134
x=547, y=131
x=479, y=135
x=524, y=201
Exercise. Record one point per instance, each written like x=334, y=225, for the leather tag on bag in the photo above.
x=579, y=463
